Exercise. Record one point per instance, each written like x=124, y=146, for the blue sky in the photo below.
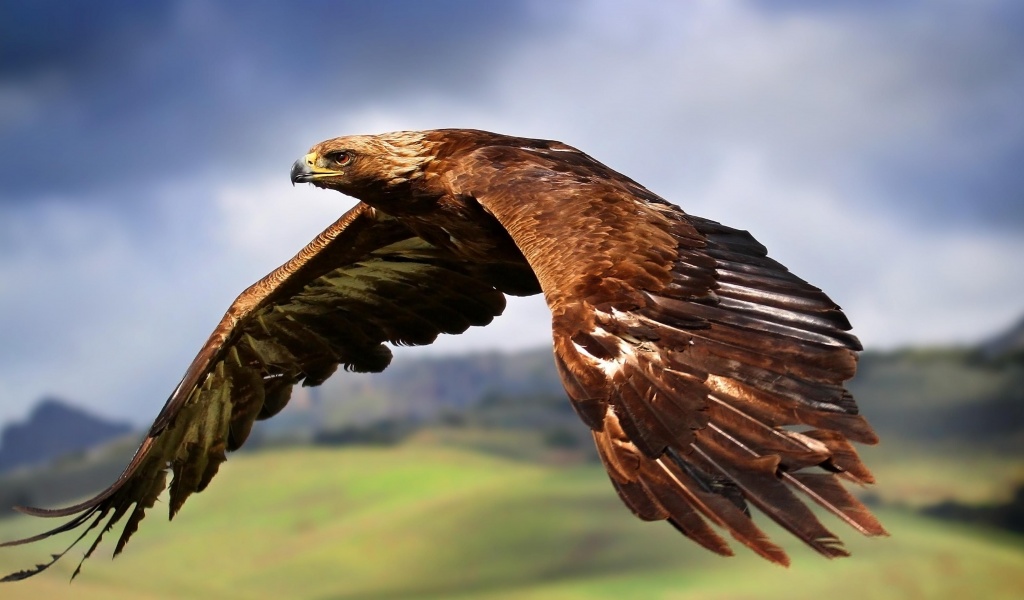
x=874, y=147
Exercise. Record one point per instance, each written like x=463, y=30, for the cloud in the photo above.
x=147, y=92
x=874, y=150
x=898, y=283
x=85, y=315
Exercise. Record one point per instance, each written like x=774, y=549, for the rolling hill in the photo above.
x=481, y=484
x=425, y=521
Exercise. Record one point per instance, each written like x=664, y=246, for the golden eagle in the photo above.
x=710, y=376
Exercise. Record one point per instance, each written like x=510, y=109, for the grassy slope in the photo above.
x=422, y=521
x=943, y=396
x=917, y=475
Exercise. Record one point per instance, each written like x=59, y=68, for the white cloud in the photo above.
x=90, y=319
x=899, y=283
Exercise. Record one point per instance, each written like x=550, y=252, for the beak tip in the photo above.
x=298, y=170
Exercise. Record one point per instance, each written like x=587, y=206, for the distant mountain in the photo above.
x=944, y=395
x=420, y=389
x=952, y=396
x=1009, y=342
x=54, y=429
x=957, y=395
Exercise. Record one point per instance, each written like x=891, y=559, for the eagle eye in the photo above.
x=339, y=157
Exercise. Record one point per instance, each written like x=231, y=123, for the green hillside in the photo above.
x=483, y=484
x=940, y=397
x=425, y=521
x=945, y=396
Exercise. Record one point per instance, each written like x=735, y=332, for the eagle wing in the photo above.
x=710, y=376
x=364, y=281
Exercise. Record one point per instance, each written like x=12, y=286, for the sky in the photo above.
x=874, y=147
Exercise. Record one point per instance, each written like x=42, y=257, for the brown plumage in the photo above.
x=710, y=376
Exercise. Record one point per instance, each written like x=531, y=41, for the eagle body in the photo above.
x=709, y=375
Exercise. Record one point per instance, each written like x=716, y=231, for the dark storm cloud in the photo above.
x=96, y=99
x=967, y=62
x=972, y=65
x=96, y=94
x=985, y=194
x=47, y=34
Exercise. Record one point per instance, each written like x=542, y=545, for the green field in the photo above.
x=425, y=521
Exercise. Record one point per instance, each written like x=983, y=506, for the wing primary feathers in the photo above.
x=723, y=511
x=693, y=344
x=675, y=497
x=87, y=505
x=722, y=314
x=364, y=281
x=39, y=568
x=825, y=489
x=757, y=479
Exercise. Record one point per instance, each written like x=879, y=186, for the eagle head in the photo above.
x=367, y=167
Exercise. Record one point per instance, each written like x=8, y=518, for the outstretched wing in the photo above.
x=712, y=378
x=364, y=281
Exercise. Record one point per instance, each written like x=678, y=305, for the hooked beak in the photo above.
x=305, y=170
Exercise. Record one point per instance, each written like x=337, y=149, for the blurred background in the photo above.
x=874, y=147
